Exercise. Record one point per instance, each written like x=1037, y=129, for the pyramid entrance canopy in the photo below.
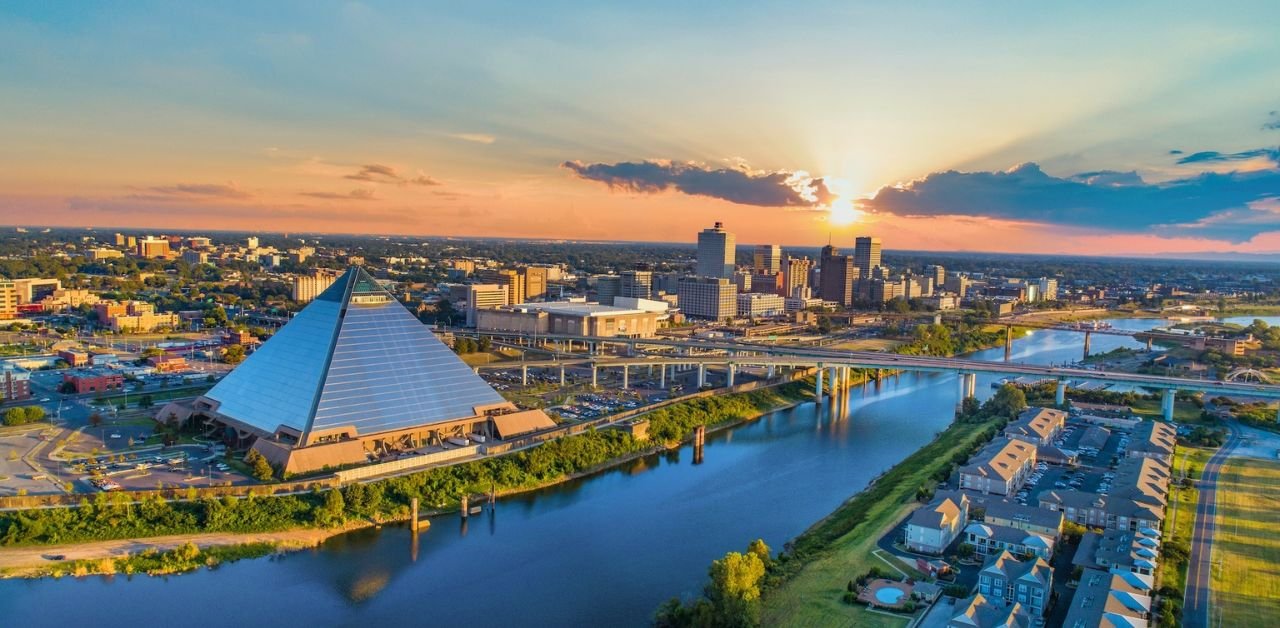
x=353, y=358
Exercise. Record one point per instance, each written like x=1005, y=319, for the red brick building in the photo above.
x=93, y=380
x=74, y=358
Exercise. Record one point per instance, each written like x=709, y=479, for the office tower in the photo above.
x=716, y=251
x=742, y=279
x=768, y=259
x=483, y=297
x=636, y=284
x=535, y=282
x=120, y=239
x=714, y=298
x=511, y=279
x=958, y=284
x=866, y=253
x=194, y=257
x=8, y=300
x=251, y=242
x=795, y=276
x=837, y=276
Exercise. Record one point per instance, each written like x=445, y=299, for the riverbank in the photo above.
x=307, y=520
x=813, y=574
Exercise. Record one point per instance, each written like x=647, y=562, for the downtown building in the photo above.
x=717, y=252
x=714, y=298
x=352, y=377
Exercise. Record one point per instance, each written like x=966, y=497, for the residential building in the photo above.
x=1128, y=551
x=987, y=538
x=717, y=252
x=195, y=257
x=1000, y=468
x=714, y=298
x=1027, y=518
x=1120, y=599
x=1028, y=583
x=932, y=528
x=1153, y=439
x=1138, y=496
x=759, y=304
x=1038, y=426
x=767, y=259
x=15, y=382
x=1048, y=289
x=977, y=611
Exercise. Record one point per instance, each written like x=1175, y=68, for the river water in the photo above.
x=603, y=550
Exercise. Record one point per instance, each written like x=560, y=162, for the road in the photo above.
x=1195, y=610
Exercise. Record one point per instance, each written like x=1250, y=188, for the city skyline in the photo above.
x=617, y=123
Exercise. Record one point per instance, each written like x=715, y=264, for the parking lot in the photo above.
x=1093, y=473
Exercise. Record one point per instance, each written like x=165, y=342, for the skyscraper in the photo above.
x=768, y=258
x=716, y=252
x=837, y=276
x=866, y=253
x=637, y=284
x=795, y=277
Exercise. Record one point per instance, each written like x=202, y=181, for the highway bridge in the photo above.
x=835, y=363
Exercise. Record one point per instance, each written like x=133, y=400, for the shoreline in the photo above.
x=30, y=562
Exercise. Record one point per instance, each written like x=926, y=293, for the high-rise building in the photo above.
x=714, y=298
x=608, y=287
x=483, y=296
x=938, y=273
x=307, y=287
x=837, y=276
x=637, y=284
x=120, y=240
x=8, y=300
x=767, y=259
x=535, y=282
x=717, y=251
x=251, y=242
x=742, y=279
x=1048, y=289
x=511, y=279
x=31, y=290
x=195, y=257
x=150, y=247
x=795, y=276
x=866, y=253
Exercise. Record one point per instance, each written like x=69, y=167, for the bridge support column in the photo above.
x=662, y=376
x=1060, y=396
x=1086, y=344
x=595, y=376
x=817, y=389
x=524, y=375
x=626, y=371
x=702, y=376
x=769, y=374
x=732, y=371
x=1167, y=403
x=834, y=384
x=1008, y=342
x=561, y=375
x=848, y=378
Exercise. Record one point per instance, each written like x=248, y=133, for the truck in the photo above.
x=456, y=440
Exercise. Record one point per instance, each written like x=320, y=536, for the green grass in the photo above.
x=1182, y=507
x=1183, y=411
x=838, y=548
x=1246, y=582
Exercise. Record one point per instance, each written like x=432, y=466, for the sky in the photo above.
x=1080, y=128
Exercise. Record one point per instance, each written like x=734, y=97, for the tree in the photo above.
x=332, y=512
x=234, y=354
x=146, y=401
x=761, y=550
x=23, y=415
x=1008, y=401
x=258, y=465
x=965, y=550
x=95, y=419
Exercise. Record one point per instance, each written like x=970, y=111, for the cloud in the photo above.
x=737, y=185
x=358, y=194
x=192, y=190
x=479, y=138
x=1273, y=121
x=1213, y=156
x=1232, y=205
x=378, y=173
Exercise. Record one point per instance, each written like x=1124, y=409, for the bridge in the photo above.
x=837, y=363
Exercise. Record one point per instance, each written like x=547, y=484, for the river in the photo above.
x=602, y=550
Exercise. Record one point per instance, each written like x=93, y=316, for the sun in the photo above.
x=841, y=211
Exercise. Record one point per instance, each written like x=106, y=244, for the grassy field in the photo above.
x=868, y=344
x=838, y=548
x=1182, y=506
x=1183, y=411
x=1246, y=581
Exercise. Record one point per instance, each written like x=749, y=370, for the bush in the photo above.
x=23, y=415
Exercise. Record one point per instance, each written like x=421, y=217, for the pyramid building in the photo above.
x=352, y=377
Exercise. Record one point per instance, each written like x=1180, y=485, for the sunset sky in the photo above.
x=1080, y=127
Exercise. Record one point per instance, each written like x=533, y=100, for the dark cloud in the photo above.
x=1208, y=204
x=359, y=194
x=1273, y=121
x=208, y=190
x=1213, y=156
x=378, y=173
x=736, y=185
x=1175, y=152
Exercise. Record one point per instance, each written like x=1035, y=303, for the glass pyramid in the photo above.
x=353, y=357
